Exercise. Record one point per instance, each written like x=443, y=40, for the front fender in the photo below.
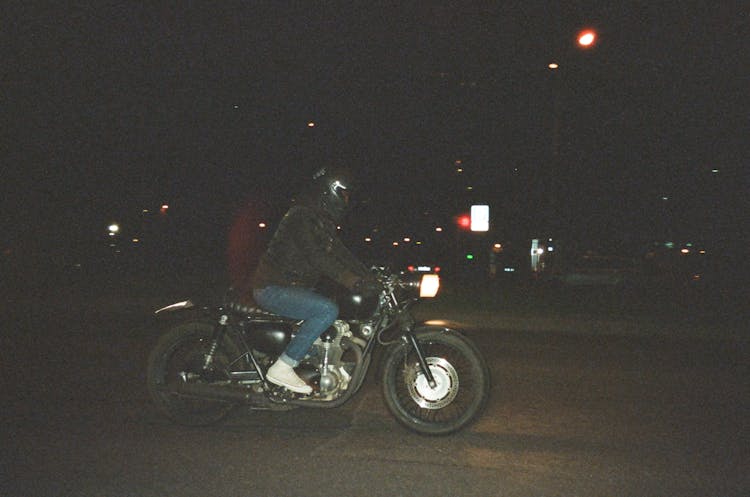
x=423, y=329
x=438, y=325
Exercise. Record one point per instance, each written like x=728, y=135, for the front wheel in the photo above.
x=178, y=358
x=462, y=384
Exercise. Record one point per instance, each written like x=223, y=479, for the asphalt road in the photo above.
x=570, y=414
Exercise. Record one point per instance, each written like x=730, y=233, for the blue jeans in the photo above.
x=318, y=313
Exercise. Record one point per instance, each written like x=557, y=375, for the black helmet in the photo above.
x=334, y=188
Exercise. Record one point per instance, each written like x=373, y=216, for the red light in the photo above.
x=587, y=38
x=437, y=269
x=464, y=221
x=411, y=269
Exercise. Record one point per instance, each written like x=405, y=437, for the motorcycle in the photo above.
x=434, y=379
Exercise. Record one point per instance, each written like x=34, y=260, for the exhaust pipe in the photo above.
x=212, y=392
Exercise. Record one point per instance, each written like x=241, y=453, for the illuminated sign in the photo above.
x=480, y=218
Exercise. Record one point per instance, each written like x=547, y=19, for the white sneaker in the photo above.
x=283, y=374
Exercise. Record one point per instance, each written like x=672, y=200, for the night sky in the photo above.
x=113, y=107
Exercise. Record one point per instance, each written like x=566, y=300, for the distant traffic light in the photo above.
x=464, y=221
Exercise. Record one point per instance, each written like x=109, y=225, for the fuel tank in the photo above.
x=351, y=306
x=270, y=337
x=355, y=306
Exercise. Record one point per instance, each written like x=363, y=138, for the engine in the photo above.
x=327, y=356
x=331, y=360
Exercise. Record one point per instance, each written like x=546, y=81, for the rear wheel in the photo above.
x=178, y=358
x=461, y=384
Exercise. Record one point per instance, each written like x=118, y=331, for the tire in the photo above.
x=463, y=384
x=183, y=349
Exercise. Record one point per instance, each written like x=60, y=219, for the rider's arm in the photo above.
x=328, y=254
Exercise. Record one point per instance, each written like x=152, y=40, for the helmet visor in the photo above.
x=340, y=190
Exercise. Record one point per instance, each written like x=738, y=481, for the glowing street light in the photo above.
x=587, y=38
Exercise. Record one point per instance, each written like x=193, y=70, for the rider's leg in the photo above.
x=318, y=313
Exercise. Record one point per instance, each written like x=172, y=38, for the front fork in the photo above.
x=412, y=339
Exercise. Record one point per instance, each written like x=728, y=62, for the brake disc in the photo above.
x=446, y=384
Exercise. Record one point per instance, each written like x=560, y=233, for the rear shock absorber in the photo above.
x=216, y=341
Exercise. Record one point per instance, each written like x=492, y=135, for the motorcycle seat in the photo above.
x=253, y=311
x=247, y=309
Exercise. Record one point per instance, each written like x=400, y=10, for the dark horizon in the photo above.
x=119, y=108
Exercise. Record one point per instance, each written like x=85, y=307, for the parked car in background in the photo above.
x=595, y=270
x=424, y=268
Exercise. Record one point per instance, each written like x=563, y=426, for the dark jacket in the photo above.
x=306, y=247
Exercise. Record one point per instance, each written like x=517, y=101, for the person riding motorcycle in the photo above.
x=304, y=249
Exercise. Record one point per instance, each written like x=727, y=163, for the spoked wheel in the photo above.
x=178, y=358
x=461, y=384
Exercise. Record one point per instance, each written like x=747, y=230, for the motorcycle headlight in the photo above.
x=429, y=285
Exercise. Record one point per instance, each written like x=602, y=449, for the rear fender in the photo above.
x=177, y=306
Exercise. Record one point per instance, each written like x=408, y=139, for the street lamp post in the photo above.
x=586, y=39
